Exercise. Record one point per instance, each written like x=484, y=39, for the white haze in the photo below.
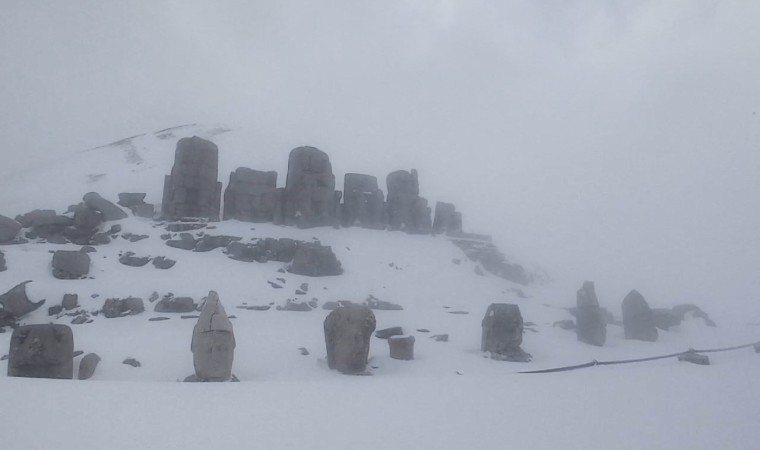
x=614, y=141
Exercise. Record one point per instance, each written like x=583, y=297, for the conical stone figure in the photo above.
x=213, y=343
x=348, y=330
x=502, y=333
x=591, y=325
x=638, y=321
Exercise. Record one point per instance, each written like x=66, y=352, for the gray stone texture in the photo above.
x=263, y=250
x=3, y=267
x=87, y=218
x=363, y=203
x=16, y=303
x=117, y=307
x=315, y=260
x=130, y=199
x=70, y=264
x=446, y=218
x=70, y=301
x=407, y=211
x=401, y=347
x=192, y=189
x=309, y=196
x=348, y=330
x=87, y=366
x=665, y=318
x=42, y=351
x=591, y=325
x=110, y=211
x=9, y=228
x=503, y=332
x=638, y=321
x=213, y=342
x=175, y=305
x=481, y=250
x=251, y=196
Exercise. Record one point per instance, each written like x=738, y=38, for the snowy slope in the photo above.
x=451, y=396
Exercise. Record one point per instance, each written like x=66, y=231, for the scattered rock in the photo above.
x=130, y=199
x=109, y=210
x=213, y=342
x=375, y=303
x=79, y=320
x=440, y=337
x=347, y=336
x=175, y=305
x=42, y=351
x=256, y=308
x=186, y=241
x=695, y=358
x=16, y=303
x=157, y=319
x=459, y=312
x=274, y=285
x=638, y=321
x=315, y=260
x=115, y=307
x=303, y=351
x=160, y=262
x=388, y=332
x=293, y=305
x=132, y=362
x=503, y=333
x=401, y=347
x=694, y=310
x=481, y=250
x=55, y=310
x=87, y=366
x=566, y=324
x=134, y=237
x=153, y=297
x=335, y=305
x=423, y=330
x=9, y=229
x=591, y=326
x=70, y=265
x=129, y=259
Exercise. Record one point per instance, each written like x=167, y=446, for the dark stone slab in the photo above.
x=70, y=265
x=16, y=303
x=251, y=196
x=42, y=351
x=109, y=210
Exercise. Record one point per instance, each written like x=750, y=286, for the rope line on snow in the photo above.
x=628, y=361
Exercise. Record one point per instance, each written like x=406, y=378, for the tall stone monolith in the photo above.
x=192, y=189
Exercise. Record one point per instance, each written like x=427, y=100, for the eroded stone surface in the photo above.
x=309, y=196
x=42, y=351
x=503, y=332
x=638, y=321
x=251, y=196
x=16, y=303
x=347, y=336
x=192, y=189
x=591, y=326
x=213, y=342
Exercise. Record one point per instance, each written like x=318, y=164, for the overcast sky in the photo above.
x=617, y=141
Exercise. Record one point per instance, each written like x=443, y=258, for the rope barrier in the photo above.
x=628, y=361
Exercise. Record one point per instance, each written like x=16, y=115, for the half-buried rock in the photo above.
x=347, y=334
x=87, y=366
x=109, y=210
x=42, y=351
x=315, y=260
x=213, y=343
x=503, y=333
x=70, y=264
x=638, y=321
x=16, y=303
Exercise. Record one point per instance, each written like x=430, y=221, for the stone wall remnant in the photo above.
x=407, y=211
x=192, y=189
x=42, y=351
x=309, y=196
x=348, y=330
x=363, y=203
x=638, y=321
x=591, y=325
x=251, y=196
x=503, y=333
x=446, y=219
x=315, y=260
x=213, y=342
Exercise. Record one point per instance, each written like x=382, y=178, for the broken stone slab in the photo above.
x=503, y=333
x=79, y=320
x=130, y=306
x=389, y=332
x=292, y=305
x=213, y=342
x=70, y=301
x=9, y=229
x=70, y=264
x=109, y=210
x=161, y=262
x=134, y=237
x=315, y=260
x=87, y=366
x=638, y=321
x=130, y=199
x=695, y=358
x=16, y=303
x=401, y=347
x=175, y=305
x=42, y=351
x=347, y=337
x=145, y=210
x=335, y=305
x=129, y=259
x=208, y=242
x=591, y=325
x=55, y=310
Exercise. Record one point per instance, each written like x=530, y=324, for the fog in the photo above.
x=613, y=141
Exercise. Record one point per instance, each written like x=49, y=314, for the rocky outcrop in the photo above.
x=591, y=325
x=70, y=264
x=42, y=351
x=252, y=196
x=16, y=303
x=213, y=342
x=638, y=321
x=446, y=219
x=175, y=305
x=309, y=196
x=192, y=189
x=407, y=211
x=348, y=330
x=502, y=333
x=9, y=228
x=263, y=250
x=363, y=203
x=315, y=260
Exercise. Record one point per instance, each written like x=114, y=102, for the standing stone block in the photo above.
x=315, y=260
x=86, y=218
x=251, y=196
x=401, y=347
x=192, y=189
x=363, y=202
x=70, y=264
x=213, y=342
x=87, y=366
x=502, y=333
x=42, y=351
x=446, y=219
x=70, y=301
x=407, y=211
x=348, y=330
x=591, y=326
x=309, y=196
x=16, y=303
x=638, y=321
x=9, y=228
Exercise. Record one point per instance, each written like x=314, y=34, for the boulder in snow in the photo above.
x=42, y=351
x=638, y=321
x=347, y=335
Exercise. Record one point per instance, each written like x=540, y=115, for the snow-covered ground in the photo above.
x=450, y=397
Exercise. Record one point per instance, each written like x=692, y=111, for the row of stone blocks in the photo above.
x=47, y=351
x=309, y=198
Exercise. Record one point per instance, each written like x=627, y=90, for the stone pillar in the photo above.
x=446, y=219
x=309, y=195
x=407, y=211
x=363, y=203
x=251, y=196
x=192, y=189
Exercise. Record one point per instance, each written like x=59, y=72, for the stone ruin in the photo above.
x=503, y=333
x=348, y=330
x=15, y=304
x=638, y=321
x=192, y=189
x=70, y=264
x=407, y=211
x=309, y=199
x=446, y=219
x=363, y=202
x=591, y=326
x=42, y=351
x=315, y=260
x=401, y=347
x=252, y=196
x=213, y=343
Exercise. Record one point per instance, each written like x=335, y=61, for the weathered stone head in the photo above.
x=42, y=351
x=638, y=321
x=348, y=330
x=502, y=332
x=213, y=342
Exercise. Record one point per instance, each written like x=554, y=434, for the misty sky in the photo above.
x=617, y=141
